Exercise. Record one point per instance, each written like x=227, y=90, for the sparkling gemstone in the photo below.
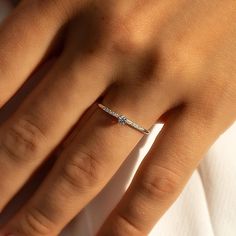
x=122, y=120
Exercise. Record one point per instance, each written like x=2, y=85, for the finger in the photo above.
x=86, y=165
x=25, y=37
x=162, y=175
x=46, y=116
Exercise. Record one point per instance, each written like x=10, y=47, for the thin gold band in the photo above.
x=123, y=120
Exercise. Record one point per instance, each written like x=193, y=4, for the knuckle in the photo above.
x=83, y=169
x=22, y=140
x=35, y=222
x=124, y=226
x=161, y=186
x=180, y=62
x=123, y=39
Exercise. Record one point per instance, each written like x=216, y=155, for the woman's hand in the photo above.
x=144, y=59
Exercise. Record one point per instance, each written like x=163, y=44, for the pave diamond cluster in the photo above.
x=123, y=120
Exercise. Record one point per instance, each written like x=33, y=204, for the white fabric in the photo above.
x=207, y=206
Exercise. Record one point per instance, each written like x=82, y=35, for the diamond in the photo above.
x=122, y=120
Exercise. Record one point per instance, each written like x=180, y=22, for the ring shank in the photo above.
x=128, y=122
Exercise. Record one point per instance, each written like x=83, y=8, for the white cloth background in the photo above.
x=207, y=206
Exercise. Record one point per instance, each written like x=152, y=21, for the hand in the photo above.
x=144, y=59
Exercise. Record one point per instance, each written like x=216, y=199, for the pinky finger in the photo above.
x=161, y=177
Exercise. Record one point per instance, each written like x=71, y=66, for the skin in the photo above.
x=150, y=60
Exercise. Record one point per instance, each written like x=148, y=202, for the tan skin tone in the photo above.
x=147, y=59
